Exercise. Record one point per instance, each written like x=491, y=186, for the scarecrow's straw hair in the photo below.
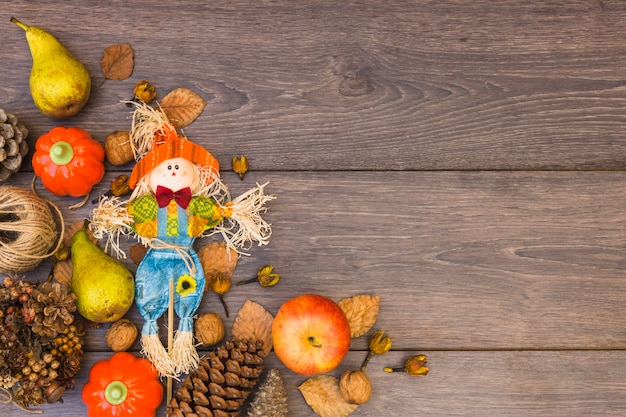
x=148, y=122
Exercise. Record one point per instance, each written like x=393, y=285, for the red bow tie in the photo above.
x=164, y=195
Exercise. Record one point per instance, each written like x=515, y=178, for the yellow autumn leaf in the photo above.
x=362, y=312
x=254, y=322
x=182, y=106
x=323, y=395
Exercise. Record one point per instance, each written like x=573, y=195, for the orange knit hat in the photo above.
x=167, y=146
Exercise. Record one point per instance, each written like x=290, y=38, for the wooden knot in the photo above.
x=355, y=82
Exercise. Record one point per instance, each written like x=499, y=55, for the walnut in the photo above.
x=355, y=387
x=118, y=148
x=209, y=329
x=121, y=335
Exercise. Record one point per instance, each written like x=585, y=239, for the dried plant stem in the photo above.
x=6, y=397
x=170, y=336
x=367, y=359
x=223, y=301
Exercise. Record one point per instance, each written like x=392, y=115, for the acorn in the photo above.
x=54, y=392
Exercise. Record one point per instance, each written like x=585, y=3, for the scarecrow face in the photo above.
x=175, y=174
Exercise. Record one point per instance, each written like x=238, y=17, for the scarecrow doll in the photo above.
x=177, y=197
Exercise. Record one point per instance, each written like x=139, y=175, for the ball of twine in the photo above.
x=28, y=229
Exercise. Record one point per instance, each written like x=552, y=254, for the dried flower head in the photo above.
x=145, y=91
x=264, y=276
x=414, y=366
x=378, y=344
x=220, y=284
x=240, y=165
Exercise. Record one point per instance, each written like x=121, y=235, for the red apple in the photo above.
x=311, y=334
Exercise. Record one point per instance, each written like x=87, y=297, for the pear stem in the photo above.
x=20, y=24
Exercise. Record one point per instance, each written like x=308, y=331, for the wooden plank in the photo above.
x=399, y=85
x=461, y=383
x=403, y=140
x=479, y=260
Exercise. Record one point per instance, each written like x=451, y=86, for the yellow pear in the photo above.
x=59, y=83
x=104, y=287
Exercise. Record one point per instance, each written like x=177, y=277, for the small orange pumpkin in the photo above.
x=68, y=161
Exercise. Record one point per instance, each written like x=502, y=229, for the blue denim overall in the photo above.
x=170, y=258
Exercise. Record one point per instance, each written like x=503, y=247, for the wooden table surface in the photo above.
x=462, y=160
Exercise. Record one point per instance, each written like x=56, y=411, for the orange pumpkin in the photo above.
x=68, y=161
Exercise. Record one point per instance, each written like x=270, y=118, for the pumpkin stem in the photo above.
x=61, y=153
x=115, y=393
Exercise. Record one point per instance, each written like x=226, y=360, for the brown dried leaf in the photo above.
x=254, y=322
x=323, y=395
x=117, y=61
x=362, y=312
x=62, y=271
x=137, y=252
x=72, y=229
x=182, y=106
x=217, y=259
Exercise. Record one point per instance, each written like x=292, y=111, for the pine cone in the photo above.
x=221, y=383
x=271, y=399
x=51, y=307
x=13, y=145
x=68, y=368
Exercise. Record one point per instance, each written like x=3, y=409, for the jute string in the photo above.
x=28, y=229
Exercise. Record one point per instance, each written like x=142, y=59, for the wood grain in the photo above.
x=463, y=160
x=461, y=260
x=402, y=85
x=460, y=383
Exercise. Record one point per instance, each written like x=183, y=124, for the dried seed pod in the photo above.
x=355, y=387
x=120, y=185
x=209, y=329
x=144, y=91
x=264, y=276
x=220, y=284
x=117, y=148
x=414, y=366
x=121, y=335
x=240, y=165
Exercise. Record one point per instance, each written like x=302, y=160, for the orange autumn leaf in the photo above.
x=362, y=312
x=254, y=322
x=182, y=106
x=118, y=61
x=323, y=395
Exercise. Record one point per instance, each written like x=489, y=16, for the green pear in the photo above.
x=59, y=83
x=104, y=287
